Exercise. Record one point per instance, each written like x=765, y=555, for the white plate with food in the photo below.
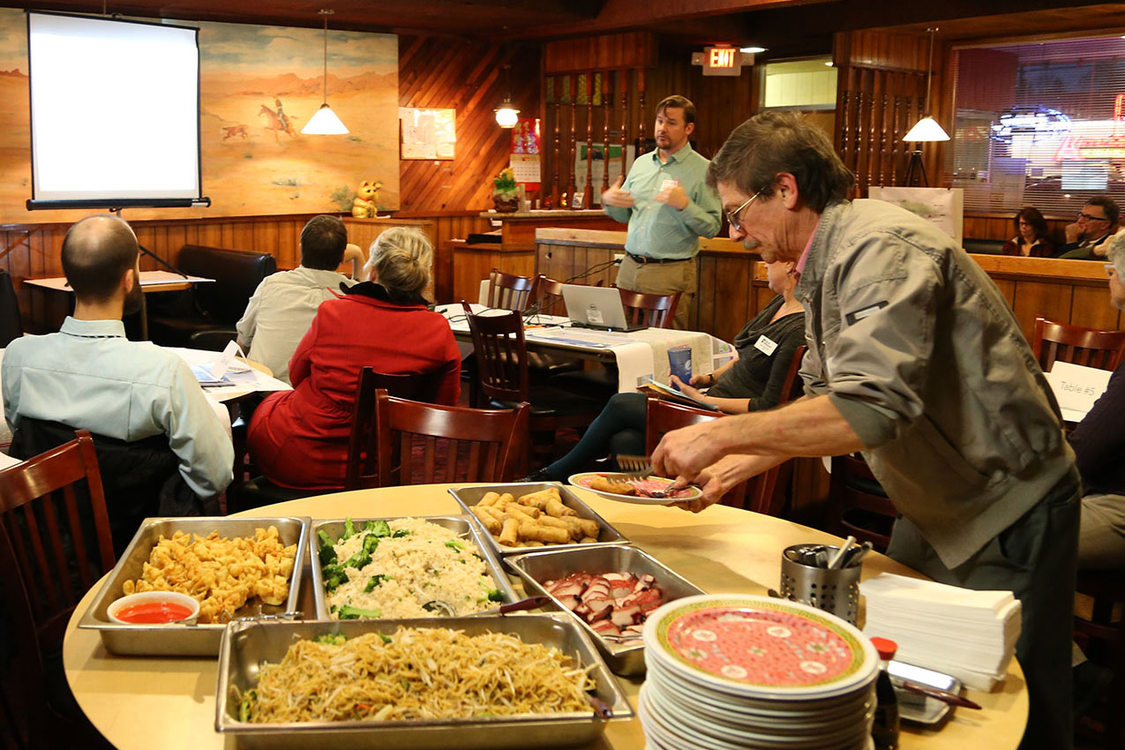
x=648, y=490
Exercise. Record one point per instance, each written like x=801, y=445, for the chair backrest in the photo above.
x=425, y=443
x=652, y=310
x=236, y=275
x=501, y=355
x=1081, y=346
x=663, y=416
x=54, y=513
x=858, y=504
x=548, y=296
x=214, y=340
x=793, y=387
x=10, y=326
x=508, y=291
x=363, y=441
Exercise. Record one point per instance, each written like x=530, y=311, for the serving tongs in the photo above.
x=531, y=602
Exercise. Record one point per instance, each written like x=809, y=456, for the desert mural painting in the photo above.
x=259, y=87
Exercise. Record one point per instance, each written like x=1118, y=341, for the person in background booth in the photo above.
x=1031, y=236
x=284, y=304
x=299, y=438
x=752, y=382
x=1099, y=446
x=916, y=360
x=668, y=206
x=1086, y=238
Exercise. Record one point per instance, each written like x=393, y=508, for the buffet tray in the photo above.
x=195, y=639
x=537, y=567
x=246, y=645
x=460, y=525
x=467, y=497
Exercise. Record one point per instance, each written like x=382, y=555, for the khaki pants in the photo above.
x=1101, y=542
x=663, y=278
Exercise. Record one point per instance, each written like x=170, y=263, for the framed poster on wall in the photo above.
x=428, y=133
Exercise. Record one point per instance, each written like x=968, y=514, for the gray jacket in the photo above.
x=919, y=351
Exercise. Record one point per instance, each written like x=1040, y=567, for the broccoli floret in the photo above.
x=400, y=532
x=375, y=581
x=348, y=612
x=370, y=542
x=349, y=529
x=454, y=544
x=334, y=575
x=494, y=595
x=327, y=553
x=358, y=560
x=331, y=639
x=379, y=528
x=244, y=705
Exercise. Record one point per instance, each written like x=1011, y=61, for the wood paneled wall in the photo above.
x=880, y=95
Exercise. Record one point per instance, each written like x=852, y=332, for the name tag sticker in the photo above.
x=668, y=184
x=854, y=317
x=765, y=345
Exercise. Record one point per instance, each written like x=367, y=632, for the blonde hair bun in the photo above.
x=402, y=258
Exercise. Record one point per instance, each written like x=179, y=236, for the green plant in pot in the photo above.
x=505, y=192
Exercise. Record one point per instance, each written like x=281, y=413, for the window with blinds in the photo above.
x=1039, y=125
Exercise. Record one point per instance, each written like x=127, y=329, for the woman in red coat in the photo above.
x=299, y=438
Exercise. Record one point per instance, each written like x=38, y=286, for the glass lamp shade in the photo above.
x=324, y=122
x=507, y=115
x=925, y=130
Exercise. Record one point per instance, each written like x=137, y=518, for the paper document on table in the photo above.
x=1076, y=388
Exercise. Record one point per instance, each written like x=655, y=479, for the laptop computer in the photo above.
x=596, y=307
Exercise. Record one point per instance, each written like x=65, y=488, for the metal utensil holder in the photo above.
x=835, y=591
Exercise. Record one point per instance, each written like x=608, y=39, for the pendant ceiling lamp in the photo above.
x=325, y=121
x=506, y=114
x=927, y=129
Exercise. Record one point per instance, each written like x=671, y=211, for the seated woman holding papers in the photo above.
x=750, y=383
x=299, y=438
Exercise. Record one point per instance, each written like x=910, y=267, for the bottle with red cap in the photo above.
x=885, y=729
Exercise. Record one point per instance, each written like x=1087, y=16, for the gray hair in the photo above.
x=1115, y=253
x=402, y=258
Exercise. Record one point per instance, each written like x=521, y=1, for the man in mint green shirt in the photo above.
x=668, y=206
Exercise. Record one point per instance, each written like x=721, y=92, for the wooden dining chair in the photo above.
x=662, y=417
x=55, y=543
x=858, y=505
x=547, y=296
x=363, y=440
x=503, y=380
x=508, y=291
x=1061, y=342
x=1102, y=638
x=652, y=310
x=421, y=443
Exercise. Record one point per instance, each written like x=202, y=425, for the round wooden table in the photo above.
x=169, y=703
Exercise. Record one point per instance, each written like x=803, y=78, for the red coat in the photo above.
x=299, y=438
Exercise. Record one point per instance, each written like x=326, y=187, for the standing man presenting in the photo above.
x=668, y=206
x=916, y=360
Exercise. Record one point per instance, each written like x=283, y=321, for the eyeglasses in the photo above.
x=1110, y=269
x=1088, y=217
x=732, y=216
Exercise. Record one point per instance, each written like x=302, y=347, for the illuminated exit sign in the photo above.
x=722, y=61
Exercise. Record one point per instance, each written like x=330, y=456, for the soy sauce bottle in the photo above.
x=885, y=729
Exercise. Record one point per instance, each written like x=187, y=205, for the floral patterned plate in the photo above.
x=759, y=647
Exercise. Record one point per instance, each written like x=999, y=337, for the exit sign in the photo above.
x=722, y=61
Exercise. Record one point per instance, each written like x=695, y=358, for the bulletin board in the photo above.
x=428, y=133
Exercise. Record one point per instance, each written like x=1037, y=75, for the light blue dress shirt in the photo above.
x=89, y=376
x=657, y=230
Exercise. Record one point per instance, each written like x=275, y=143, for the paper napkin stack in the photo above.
x=968, y=634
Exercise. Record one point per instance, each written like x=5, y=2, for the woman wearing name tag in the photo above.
x=750, y=383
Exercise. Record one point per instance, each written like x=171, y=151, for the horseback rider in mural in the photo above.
x=281, y=115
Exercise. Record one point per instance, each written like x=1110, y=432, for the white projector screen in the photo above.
x=114, y=113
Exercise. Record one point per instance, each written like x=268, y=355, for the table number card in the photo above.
x=1077, y=388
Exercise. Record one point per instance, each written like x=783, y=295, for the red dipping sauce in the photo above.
x=149, y=613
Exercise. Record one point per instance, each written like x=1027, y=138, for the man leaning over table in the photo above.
x=916, y=360
x=1088, y=237
x=89, y=376
x=284, y=304
x=668, y=206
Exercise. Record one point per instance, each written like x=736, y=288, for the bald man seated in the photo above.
x=89, y=376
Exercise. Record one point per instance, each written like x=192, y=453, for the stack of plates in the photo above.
x=733, y=671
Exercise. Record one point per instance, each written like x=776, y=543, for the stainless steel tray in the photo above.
x=467, y=497
x=537, y=567
x=186, y=640
x=246, y=645
x=460, y=525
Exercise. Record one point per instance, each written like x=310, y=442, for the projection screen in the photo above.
x=114, y=112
